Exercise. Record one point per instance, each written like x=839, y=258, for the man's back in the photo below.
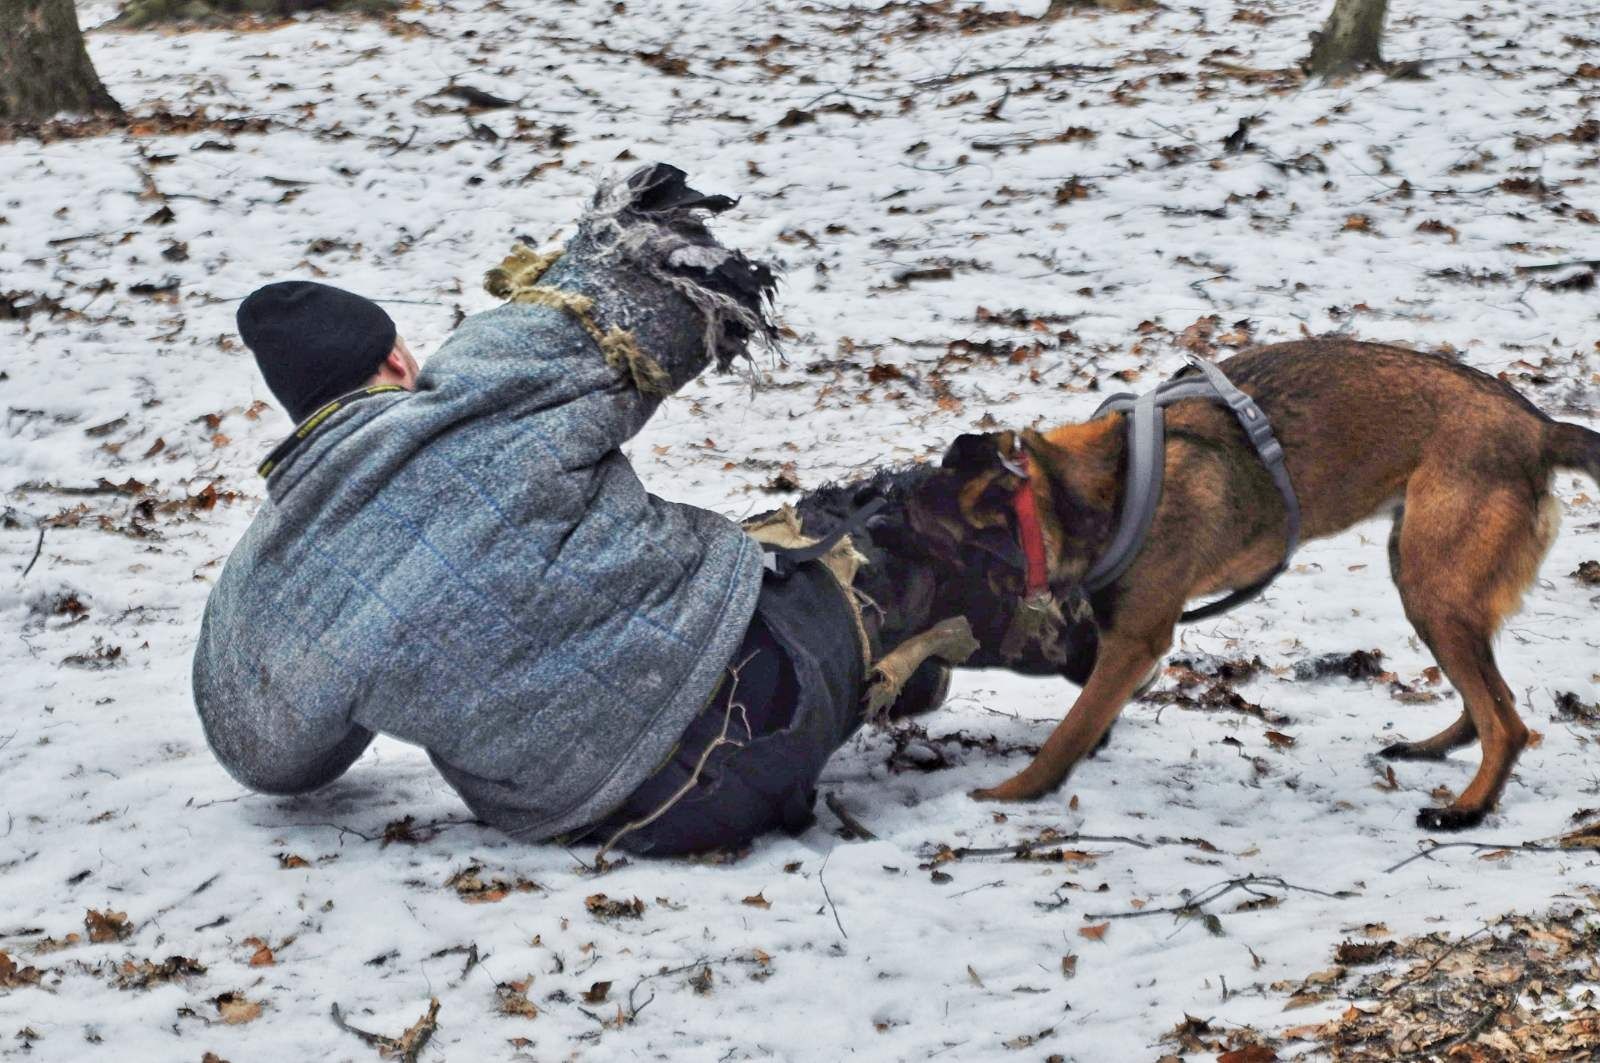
x=475, y=568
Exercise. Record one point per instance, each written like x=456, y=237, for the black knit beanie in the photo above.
x=313, y=342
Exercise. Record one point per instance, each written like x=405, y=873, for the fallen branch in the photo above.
x=476, y=97
x=408, y=1046
x=406, y=143
x=375, y=1040
x=634, y=1010
x=103, y=487
x=1196, y=904
x=980, y=886
x=1022, y=848
x=1439, y=1049
x=1042, y=68
x=347, y=830
x=388, y=834
x=850, y=822
x=207, y=884
x=829, y=897
x=1525, y=847
x=1438, y=960
x=1592, y=263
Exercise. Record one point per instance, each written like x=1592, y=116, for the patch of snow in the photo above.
x=865, y=145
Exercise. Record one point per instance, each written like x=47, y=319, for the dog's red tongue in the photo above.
x=1028, y=530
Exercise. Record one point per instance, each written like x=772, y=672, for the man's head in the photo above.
x=314, y=342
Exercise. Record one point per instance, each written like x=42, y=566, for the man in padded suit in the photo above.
x=459, y=556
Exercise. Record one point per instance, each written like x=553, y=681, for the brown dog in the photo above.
x=1462, y=461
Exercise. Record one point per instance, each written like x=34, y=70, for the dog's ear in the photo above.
x=991, y=457
x=1092, y=473
x=972, y=453
x=968, y=453
x=1050, y=458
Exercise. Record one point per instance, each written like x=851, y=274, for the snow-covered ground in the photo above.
x=1072, y=178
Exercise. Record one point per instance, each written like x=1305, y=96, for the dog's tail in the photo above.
x=1572, y=446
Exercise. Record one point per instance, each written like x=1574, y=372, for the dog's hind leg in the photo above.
x=1458, y=734
x=1467, y=552
x=1461, y=733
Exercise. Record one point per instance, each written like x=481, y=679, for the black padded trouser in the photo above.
x=789, y=698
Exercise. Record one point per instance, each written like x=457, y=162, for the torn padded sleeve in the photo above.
x=673, y=299
x=640, y=301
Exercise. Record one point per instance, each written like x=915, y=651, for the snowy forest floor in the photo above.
x=983, y=218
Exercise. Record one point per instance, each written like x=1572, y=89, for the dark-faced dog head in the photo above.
x=964, y=511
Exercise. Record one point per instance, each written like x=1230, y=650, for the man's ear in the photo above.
x=397, y=367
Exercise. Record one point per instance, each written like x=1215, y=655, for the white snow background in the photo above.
x=907, y=151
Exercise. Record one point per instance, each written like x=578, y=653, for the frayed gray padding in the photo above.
x=731, y=294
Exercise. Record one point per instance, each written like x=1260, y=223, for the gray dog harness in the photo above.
x=1146, y=464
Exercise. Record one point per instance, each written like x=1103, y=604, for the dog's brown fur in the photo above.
x=1462, y=460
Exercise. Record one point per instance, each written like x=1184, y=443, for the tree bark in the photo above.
x=1349, y=40
x=44, y=67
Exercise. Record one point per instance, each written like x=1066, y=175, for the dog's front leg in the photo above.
x=1123, y=663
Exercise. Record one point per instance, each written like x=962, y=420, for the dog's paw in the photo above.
x=882, y=693
x=1448, y=819
x=1409, y=751
x=1010, y=790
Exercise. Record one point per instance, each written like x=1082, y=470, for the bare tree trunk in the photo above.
x=44, y=67
x=1349, y=40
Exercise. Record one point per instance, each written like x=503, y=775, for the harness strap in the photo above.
x=782, y=560
x=1146, y=458
x=1146, y=469
x=1256, y=426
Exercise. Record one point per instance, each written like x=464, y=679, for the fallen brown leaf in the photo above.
x=1249, y=1054
x=107, y=926
x=603, y=907
x=511, y=998
x=236, y=1010
x=13, y=976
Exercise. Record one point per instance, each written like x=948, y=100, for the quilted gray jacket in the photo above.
x=475, y=568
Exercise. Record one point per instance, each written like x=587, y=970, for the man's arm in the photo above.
x=264, y=741
x=640, y=302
